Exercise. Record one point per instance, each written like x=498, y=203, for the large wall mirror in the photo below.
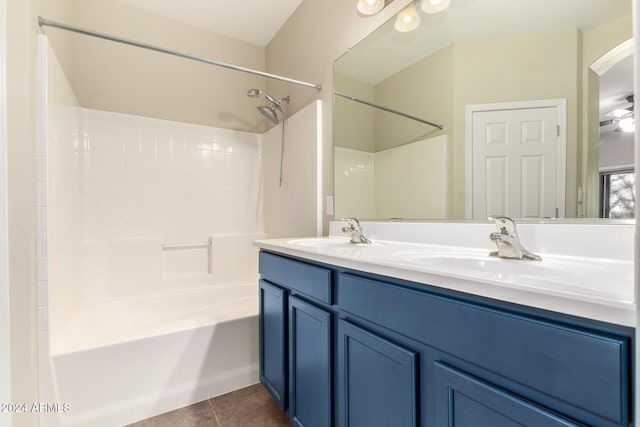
x=535, y=100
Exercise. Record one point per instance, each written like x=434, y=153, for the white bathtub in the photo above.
x=125, y=360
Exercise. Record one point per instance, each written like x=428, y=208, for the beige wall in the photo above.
x=355, y=127
x=426, y=90
x=114, y=77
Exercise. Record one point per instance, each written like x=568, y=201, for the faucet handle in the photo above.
x=355, y=231
x=505, y=225
x=353, y=223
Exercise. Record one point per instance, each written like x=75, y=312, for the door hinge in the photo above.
x=557, y=130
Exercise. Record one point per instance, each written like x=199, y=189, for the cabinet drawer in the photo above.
x=583, y=368
x=297, y=276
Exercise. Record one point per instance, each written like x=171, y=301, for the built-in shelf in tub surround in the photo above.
x=586, y=268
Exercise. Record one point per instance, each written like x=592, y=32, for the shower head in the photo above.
x=255, y=93
x=269, y=113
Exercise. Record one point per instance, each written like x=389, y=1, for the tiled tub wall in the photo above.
x=294, y=209
x=151, y=182
x=120, y=186
x=367, y=183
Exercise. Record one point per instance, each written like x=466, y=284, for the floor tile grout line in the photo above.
x=215, y=415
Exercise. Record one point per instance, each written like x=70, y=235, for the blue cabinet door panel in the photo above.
x=465, y=401
x=378, y=380
x=273, y=309
x=310, y=355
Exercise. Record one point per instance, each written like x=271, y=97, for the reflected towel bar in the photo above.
x=45, y=22
x=389, y=110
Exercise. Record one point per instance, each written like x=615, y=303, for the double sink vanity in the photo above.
x=423, y=327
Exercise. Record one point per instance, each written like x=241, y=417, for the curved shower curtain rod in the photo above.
x=45, y=22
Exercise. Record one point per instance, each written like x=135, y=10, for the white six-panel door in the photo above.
x=516, y=163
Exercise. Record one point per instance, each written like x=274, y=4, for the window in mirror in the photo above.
x=618, y=194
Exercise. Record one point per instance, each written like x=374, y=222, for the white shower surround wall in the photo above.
x=112, y=188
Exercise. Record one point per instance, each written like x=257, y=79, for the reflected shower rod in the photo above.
x=389, y=110
x=45, y=22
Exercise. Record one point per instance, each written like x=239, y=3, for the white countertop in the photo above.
x=594, y=287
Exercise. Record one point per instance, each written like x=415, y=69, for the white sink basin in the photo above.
x=563, y=274
x=566, y=275
x=495, y=265
x=328, y=242
x=319, y=242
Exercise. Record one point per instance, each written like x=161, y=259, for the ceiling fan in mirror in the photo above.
x=623, y=117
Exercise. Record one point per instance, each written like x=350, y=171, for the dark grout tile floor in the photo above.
x=247, y=407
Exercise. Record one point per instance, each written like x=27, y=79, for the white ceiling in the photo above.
x=387, y=51
x=252, y=21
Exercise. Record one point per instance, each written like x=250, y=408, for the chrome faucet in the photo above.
x=354, y=229
x=507, y=241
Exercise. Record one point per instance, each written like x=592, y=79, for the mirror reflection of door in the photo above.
x=516, y=158
x=616, y=140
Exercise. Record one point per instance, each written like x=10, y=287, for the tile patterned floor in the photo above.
x=247, y=407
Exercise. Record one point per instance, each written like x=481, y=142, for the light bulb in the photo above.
x=370, y=7
x=434, y=6
x=627, y=124
x=407, y=19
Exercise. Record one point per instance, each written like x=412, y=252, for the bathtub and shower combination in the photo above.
x=146, y=262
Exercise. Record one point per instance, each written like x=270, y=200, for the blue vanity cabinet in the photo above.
x=296, y=338
x=378, y=380
x=349, y=348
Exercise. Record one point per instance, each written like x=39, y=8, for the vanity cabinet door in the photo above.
x=273, y=309
x=310, y=364
x=463, y=400
x=378, y=380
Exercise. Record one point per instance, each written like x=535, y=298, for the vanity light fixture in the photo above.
x=407, y=19
x=628, y=124
x=371, y=7
x=434, y=6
